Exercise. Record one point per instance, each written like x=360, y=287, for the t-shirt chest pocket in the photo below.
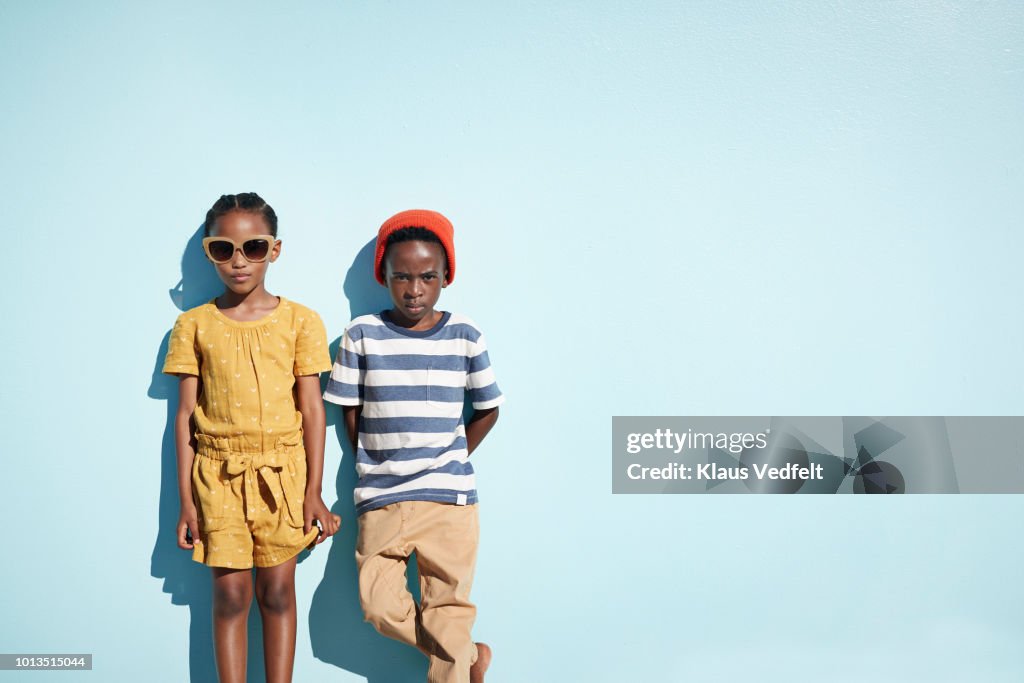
x=441, y=395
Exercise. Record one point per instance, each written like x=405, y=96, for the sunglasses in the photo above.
x=254, y=249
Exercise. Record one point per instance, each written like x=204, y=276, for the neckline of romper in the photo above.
x=271, y=317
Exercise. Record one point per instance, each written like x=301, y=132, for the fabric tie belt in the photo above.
x=253, y=467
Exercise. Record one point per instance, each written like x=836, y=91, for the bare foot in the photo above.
x=483, y=660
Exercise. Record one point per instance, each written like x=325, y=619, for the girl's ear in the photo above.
x=276, y=251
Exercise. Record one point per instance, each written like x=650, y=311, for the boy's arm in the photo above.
x=314, y=425
x=479, y=425
x=352, y=414
x=184, y=443
x=345, y=387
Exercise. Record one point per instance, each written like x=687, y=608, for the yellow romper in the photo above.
x=249, y=473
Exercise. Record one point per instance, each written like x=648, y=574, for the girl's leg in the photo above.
x=275, y=594
x=232, y=595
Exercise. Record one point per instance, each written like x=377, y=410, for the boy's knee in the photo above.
x=384, y=613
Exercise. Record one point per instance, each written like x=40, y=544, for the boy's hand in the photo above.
x=188, y=520
x=313, y=508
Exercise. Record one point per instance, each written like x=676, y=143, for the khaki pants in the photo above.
x=445, y=540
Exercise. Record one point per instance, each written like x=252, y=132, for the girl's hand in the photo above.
x=188, y=520
x=313, y=508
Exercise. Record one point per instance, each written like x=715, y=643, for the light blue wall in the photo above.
x=801, y=208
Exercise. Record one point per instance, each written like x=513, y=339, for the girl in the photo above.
x=249, y=432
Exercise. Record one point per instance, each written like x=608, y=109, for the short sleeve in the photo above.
x=311, y=354
x=345, y=387
x=182, y=358
x=483, y=389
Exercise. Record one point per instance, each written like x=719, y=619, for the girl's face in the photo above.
x=240, y=275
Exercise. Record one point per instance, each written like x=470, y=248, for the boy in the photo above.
x=402, y=376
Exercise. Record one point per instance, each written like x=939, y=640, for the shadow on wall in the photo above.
x=364, y=293
x=187, y=582
x=337, y=631
x=199, y=282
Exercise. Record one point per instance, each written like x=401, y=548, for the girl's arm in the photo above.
x=314, y=424
x=184, y=441
x=478, y=426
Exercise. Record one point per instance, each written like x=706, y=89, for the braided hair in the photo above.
x=244, y=201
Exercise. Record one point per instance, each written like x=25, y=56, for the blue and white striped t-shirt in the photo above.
x=412, y=386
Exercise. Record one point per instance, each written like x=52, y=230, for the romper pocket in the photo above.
x=209, y=491
x=293, y=485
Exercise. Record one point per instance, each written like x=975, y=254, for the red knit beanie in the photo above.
x=417, y=218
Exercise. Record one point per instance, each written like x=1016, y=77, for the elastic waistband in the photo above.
x=241, y=459
x=222, y=447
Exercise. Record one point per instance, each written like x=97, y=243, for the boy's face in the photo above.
x=415, y=274
x=240, y=275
